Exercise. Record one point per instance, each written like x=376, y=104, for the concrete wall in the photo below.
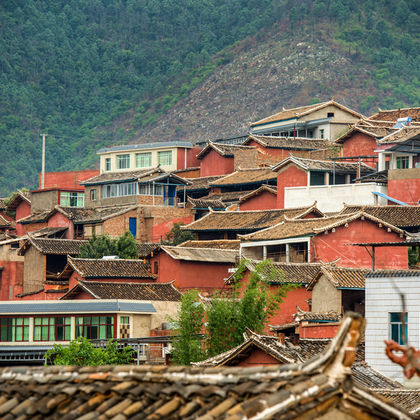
x=328, y=247
x=214, y=164
x=262, y=201
x=34, y=271
x=325, y=297
x=381, y=299
x=330, y=198
x=44, y=200
x=404, y=185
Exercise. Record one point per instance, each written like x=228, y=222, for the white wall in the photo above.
x=381, y=299
x=332, y=197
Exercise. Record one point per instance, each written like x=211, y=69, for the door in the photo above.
x=132, y=226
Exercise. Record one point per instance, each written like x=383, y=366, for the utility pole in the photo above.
x=43, y=135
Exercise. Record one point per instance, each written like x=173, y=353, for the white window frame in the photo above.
x=123, y=161
x=165, y=157
x=144, y=160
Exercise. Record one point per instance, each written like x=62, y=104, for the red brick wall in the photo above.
x=214, y=164
x=24, y=229
x=334, y=245
x=11, y=277
x=59, y=220
x=262, y=201
x=23, y=210
x=291, y=176
x=318, y=331
x=258, y=358
x=360, y=144
x=118, y=225
x=189, y=275
x=68, y=179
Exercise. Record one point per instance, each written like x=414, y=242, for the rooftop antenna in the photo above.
x=43, y=135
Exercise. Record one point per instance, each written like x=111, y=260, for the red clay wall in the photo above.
x=404, y=185
x=262, y=201
x=291, y=176
x=30, y=227
x=59, y=220
x=319, y=331
x=11, y=276
x=258, y=358
x=190, y=275
x=214, y=164
x=360, y=144
x=68, y=179
x=334, y=245
x=164, y=219
x=190, y=158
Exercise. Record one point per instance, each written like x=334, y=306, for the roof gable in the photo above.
x=225, y=150
x=211, y=255
x=52, y=246
x=341, y=278
x=289, y=143
x=246, y=176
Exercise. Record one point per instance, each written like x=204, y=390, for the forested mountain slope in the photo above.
x=100, y=72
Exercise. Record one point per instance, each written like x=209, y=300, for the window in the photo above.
x=156, y=267
x=403, y=162
x=108, y=164
x=317, y=178
x=125, y=327
x=338, y=178
x=144, y=189
x=72, y=199
x=395, y=327
x=165, y=158
x=93, y=195
x=321, y=133
x=95, y=327
x=143, y=160
x=123, y=161
x=159, y=189
x=330, y=114
x=119, y=190
x=14, y=329
x=52, y=328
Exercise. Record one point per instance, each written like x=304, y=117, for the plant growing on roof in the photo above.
x=177, y=236
x=98, y=246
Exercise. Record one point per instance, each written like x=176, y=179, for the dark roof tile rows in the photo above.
x=332, y=316
x=219, y=244
x=146, y=249
x=346, y=278
x=213, y=255
x=203, y=203
x=113, y=268
x=130, y=291
x=246, y=176
x=153, y=392
x=392, y=115
x=401, y=135
x=290, y=143
x=53, y=246
x=225, y=150
x=96, y=214
x=202, y=183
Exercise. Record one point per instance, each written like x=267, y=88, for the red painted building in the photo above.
x=67, y=180
x=263, y=198
x=21, y=205
x=193, y=268
x=404, y=185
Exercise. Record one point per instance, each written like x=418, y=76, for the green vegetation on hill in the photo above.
x=92, y=72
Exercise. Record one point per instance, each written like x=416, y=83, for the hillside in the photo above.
x=94, y=73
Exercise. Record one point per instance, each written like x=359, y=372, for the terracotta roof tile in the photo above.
x=226, y=197
x=53, y=246
x=124, y=290
x=394, y=114
x=6, y=221
x=401, y=135
x=122, y=176
x=199, y=254
x=202, y=183
x=218, y=244
x=269, y=188
x=118, y=268
x=401, y=216
x=348, y=278
x=317, y=316
x=409, y=399
x=291, y=228
x=244, y=221
x=203, y=203
x=247, y=176
x=146, y=249
x=94, y=215
x=375, y=131
x=153, y=392
x=225, y=150
x=290, y=143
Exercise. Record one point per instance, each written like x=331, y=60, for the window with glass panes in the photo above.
x=72, y=199
x=396, y=327
x=95, y=327
x=403, y=162
x=143, y=160
x=50, y=328
x=14, y=329
x=165, y=158
x=125, y=327
x=108, y=164
x=123, y=161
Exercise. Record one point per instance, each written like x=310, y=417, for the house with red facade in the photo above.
x=21, y=206
x=229, y=224
x=66, y=180
x=263, y=198
x=7, y=224
x=199, y=268
x=327, y=239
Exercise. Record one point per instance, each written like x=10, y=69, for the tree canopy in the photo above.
x=103, y=245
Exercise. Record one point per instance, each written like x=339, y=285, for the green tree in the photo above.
x=99, y=246
x=81, y=352
x=187, y=344
x=176, y=235
x=249, y=305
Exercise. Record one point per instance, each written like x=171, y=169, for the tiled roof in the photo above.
x=290, y=143
x=39, y=217
x=140, y=146
x=2, y=204
x=94, y=215
x=394, y=114
x=393, y=273
x=202, y=183
x=203, y=203
x=401, y=135
x=132, y=291
x=226, y=197
x=18, y=198
x=269, y=188
x=219, y=244
x=291, y=228
x=279, y=272
x=226, y=150
x=247, y=176
x=146, y=249
x=366, y=376
x=409, y=399
x=332, y=316
x=401, y=216
x=375, y=131
x=325, y=165
x=53, y=246
x=319, y=387
x=245, y=221
x=6, y=221
x=380, y=177
x=99, y=268
x=347, y=278
x=213, y=255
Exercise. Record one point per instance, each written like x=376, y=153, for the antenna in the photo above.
x=43, y=135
